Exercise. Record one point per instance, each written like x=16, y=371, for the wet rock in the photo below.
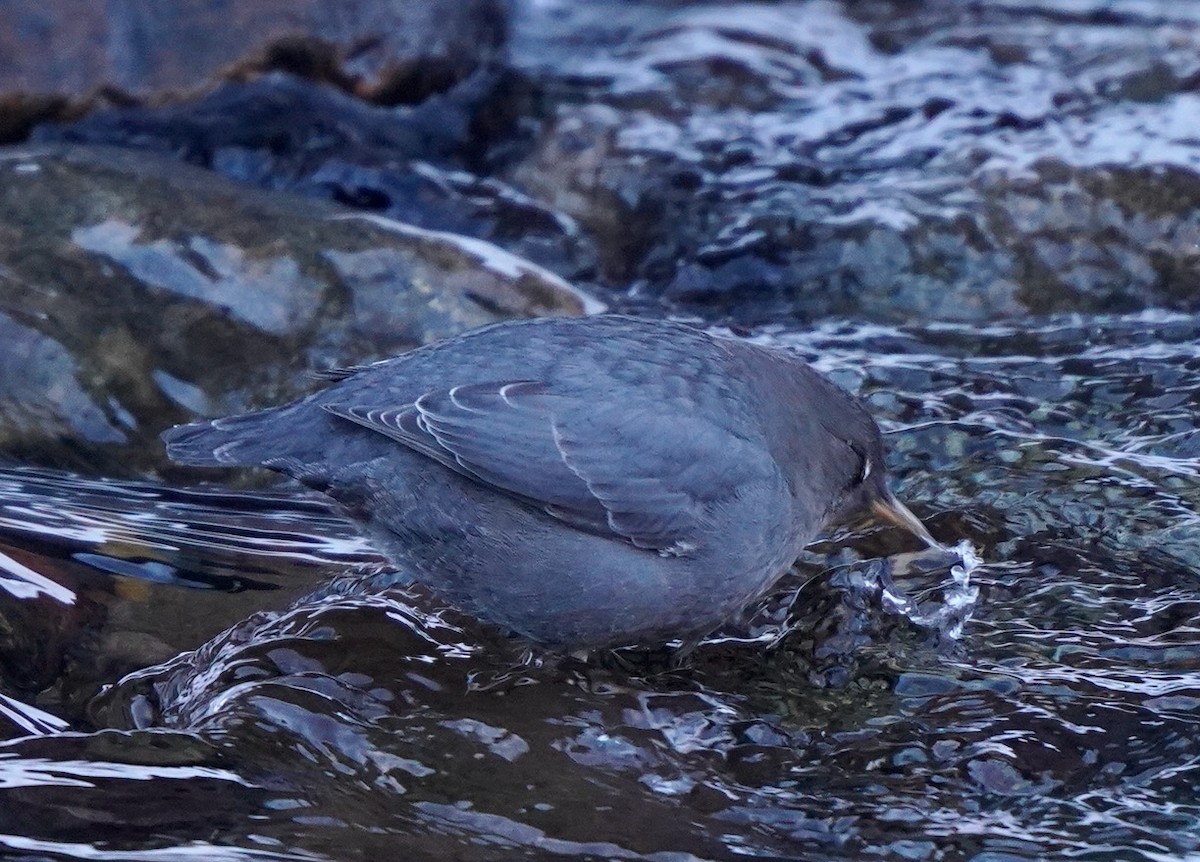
x=409, y=162
x=139, y=292
x=278, y=124
x=805, y=160
x=42, y=395
x=20, y=113
x=395, y=50
x=882, y=159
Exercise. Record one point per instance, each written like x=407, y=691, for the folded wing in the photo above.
x=650, y=478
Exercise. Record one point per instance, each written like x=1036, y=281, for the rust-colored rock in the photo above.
x=145, y=47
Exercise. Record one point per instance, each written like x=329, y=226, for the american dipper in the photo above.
x=584, y=482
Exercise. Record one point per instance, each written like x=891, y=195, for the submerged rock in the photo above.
x=139, y=292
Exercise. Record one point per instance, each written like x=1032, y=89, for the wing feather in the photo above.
x=642, y=476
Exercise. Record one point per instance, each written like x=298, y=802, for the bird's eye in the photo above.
x=864, y=465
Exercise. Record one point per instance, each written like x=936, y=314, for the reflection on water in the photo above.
x=90, y=572
x=26, y=720
x=346, y=714
x=172, y=535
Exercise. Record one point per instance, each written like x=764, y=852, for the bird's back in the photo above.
x=669, y=366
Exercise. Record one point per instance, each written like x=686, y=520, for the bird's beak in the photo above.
x=892, y=511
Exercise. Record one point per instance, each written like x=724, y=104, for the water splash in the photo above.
x=943, y=607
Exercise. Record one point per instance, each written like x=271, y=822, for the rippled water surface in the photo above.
x=222, y=673
x=314, y=706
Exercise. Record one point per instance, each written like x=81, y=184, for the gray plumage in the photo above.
x=581, y=481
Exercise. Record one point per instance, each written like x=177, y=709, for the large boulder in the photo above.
x=136, y=292
x=144, y=46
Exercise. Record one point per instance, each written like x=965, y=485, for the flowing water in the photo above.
x=221, y=674
x=274, y=692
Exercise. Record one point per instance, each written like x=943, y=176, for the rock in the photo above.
x=283, y=132
x=277, y=116
x=803, y=160
x=394, y=50
x=140, y=292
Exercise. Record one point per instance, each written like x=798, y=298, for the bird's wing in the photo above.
x=642, y=475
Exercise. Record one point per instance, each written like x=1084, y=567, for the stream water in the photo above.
x=1046, y=704
x=980, y=217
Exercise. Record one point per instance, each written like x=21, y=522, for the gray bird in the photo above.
x=584, y=482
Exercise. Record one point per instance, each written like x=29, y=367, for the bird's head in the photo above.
x=868, y=491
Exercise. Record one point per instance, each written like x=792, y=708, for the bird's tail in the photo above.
x=235, y=441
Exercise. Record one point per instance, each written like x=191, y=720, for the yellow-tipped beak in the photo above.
x=892, y=511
